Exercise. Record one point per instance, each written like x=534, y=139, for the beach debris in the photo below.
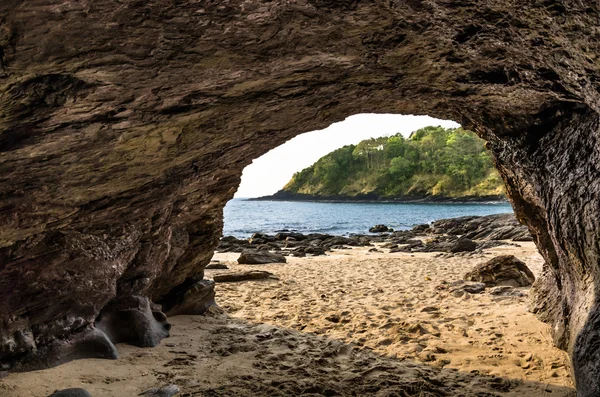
x=244, y=276
x=504, y=270
x=249, y=257
x=165, y=391
x=74, y=392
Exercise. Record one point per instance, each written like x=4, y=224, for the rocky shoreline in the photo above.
x=373, y=198
x=452, y=236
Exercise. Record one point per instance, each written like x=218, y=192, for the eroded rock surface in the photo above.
x=125, y=126
x=503, y=270
x=249, y=257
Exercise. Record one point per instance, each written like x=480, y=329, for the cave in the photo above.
x=125, y=127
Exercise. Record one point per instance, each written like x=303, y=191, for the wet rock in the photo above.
x=502, y=270
x=260, y=238
x=259, y=258
x=380, y=229
x=74, y=392
x=244, y=276
x=418, y=229
x=290, y=235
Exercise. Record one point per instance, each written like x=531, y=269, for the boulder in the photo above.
x=259, y=258
x=314, y=250
x=419, y=229
x=502, y=270
x=379, y=229
x=463, y=244
x=489, y=227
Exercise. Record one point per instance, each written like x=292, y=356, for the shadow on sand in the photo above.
x=216, y=355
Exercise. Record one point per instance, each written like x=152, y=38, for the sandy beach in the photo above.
x=353, y=323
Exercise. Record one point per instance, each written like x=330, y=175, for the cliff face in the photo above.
x=125, y=126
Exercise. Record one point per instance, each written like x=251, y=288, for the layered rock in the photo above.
x=125, y=126
x=503, y=270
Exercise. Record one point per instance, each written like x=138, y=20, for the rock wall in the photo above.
x=125, y=126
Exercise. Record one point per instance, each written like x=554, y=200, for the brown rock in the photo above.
x=463, y=244
x=244, y=276
x=502, y=270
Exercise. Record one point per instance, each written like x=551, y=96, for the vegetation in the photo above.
x=433, y=161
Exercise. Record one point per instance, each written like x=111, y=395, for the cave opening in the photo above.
x=379, y=291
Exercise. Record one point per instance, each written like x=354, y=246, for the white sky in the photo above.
x=270, y=172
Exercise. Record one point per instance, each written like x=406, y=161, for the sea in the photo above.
x=244, y=217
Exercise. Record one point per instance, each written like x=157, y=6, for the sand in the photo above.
x=350, y=323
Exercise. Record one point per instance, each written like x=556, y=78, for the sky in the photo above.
x=270, y=172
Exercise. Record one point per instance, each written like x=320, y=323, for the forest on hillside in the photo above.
x=433, y=161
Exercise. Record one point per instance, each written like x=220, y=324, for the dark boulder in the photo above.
x=380, y=229
x=261, y=238
x=314, y=250
x=502, y=270
x=419, y=229
x=463, y=244
x=489, y=227
x=259, y=258
x=290, y=235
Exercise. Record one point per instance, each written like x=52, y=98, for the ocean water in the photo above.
x=243, y=217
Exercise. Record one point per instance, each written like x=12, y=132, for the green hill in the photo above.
x=433, y=162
